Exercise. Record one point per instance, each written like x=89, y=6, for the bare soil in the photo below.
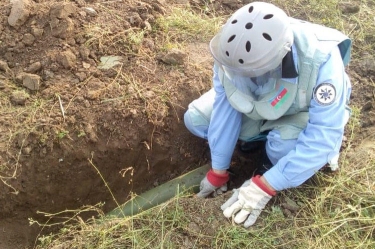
x=79, y=120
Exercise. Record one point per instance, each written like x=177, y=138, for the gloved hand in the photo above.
x=213, y=183
x=248, y=201
x=234, y=196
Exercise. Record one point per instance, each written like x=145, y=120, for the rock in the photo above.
x=48, y=75
x=231, y=4
x=19, y=13
x=80, y=3
x=62, y=28
x=134, y=19
x=62, y=10
x=67, y=59
x=4, y=66
x=93, y=94
x=81, y=76
x=348, y=7
x=89, y=130
x=84, y=52
x=290, y=205
x=149, y=43
x=174, y=57
x=35, y=67
x=37, y=32
x=108, y=62
x=28, y=39
x=367, y=64
x=19, y=78
x=31, y=81
x=367, y=107
x=90, y=11
x=26, y=150
x=147, y=26
x=194, y=228
x=19, y=98
x=86, y=65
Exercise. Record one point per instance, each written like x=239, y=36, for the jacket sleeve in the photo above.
x=224, y=127
x=322, y=137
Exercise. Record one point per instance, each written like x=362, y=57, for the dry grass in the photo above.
x=337, y=211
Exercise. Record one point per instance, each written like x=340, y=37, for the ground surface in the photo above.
x=125, y=122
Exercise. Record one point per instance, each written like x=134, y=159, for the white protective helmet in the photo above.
x=254, y=40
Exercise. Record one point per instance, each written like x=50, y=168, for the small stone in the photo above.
x=348, y=7
x=174, y=57
x=93, y=94
x=48, y=75
x=37, y=32
x=194, y=228
x=31, y=81
x=67, y=59
x=81, y=76
x=86, y=65
x=19, y=13
x=84, y=52
x=4, y=66
x=90, y=11
x=62, y=10
x=290, y=205
x=367, y=107
x=19, y=98
x=26, y=150
x=28, y=39
x=35, y=67
x=62, y=28
x=87, y=103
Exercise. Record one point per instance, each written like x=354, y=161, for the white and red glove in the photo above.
x=213, y=183
x=248, y=201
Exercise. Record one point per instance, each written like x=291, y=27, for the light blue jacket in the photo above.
x=321, y=137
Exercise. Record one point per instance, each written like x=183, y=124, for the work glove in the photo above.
x=213, y=183
x=234, y=196
x=248, y=201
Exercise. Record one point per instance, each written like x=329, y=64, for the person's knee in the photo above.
x=277, y=148
x=198, y=129
x=187, y=120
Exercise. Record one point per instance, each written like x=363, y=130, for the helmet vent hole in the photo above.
x=248, y=46
x=240, y=61
x=227, y=53
x=251, y=9
x=231, y=38
x=248, y=25
x=269, y=16
x=267, y=37
x=234, y=21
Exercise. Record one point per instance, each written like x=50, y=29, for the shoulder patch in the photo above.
x=325, y=94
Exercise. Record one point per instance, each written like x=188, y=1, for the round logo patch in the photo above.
x=325, y=94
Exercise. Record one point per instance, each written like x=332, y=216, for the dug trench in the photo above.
x=82, y=174
x=78, y=173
